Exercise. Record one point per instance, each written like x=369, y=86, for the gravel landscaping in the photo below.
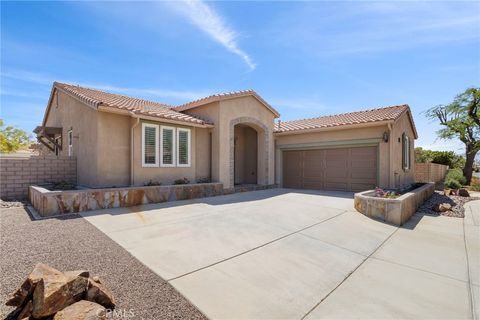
x=71, y=243
x=438, y=197
x=11, y=204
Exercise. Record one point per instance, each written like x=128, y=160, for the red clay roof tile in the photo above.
x=97, y=98
x=365, y=116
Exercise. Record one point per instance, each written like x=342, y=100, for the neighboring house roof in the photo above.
x=224, y=96
x=391, y=113
x=96, y=98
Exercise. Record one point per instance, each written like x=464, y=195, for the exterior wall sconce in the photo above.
x=385, y=136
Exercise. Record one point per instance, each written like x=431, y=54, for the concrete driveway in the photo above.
x=293, y=254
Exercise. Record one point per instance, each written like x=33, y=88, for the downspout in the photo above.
x=132, y=145
x=390, y=154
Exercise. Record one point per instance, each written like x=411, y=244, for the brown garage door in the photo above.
x=342, y=169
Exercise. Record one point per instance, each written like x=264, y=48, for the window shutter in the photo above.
x=183, y=143
x=150, y=145
x=167, y=146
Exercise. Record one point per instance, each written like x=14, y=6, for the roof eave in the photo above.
x=339, y=127
x=137, y=114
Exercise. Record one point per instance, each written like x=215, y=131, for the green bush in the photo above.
x=452, y=184
x=456, y=174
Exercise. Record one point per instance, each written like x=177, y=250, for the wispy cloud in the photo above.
x=207, y=19
x=47, y=80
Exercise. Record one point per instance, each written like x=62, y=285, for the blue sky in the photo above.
x=305, y=58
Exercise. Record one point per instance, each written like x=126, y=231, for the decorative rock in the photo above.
x=99, y=293
x=26, y=311
x=78, y=273
x=39, y=271
x=82, y=310
x=463, y=193
x=442, y=207
x=55, y=292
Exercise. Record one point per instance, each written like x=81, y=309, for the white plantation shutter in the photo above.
x=168, y=146
x=149, y=145
x=183, y=147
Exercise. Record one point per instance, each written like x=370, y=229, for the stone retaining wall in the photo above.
x=430, y=172
x=18, y=173
x=395, y=211
x=49, y=203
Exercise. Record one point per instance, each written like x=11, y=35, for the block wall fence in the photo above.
x=17, y=174
x=430, y=172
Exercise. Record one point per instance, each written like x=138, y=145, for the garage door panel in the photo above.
x=292, y=169
x=341, y=169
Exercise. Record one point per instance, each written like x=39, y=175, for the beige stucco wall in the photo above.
x=398, y=176
x=167, y=175
x=67, y=112
x=113, y=143
x=247, y=110
x=102, y=146
x=365, y=135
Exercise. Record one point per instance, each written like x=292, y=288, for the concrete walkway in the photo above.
x=289, y=254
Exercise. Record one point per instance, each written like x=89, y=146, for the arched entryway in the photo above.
x=249, y=152
x=245, y=155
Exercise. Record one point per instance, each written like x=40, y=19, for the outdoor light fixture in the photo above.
x=385, y=136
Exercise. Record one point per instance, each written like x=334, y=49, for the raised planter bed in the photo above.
x=396, y=211
x=49, y=203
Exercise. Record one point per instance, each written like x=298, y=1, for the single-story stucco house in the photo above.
x=231, y=138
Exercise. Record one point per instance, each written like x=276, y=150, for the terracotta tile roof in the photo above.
x=358, y=117
x=96, y=98
x=223, y=96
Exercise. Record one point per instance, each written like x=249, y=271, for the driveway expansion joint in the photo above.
x=349, y=274
x=258, y=247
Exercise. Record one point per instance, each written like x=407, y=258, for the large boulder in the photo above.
x=26, y=289
x=82, y=310
x=55, y=292
x=99, y=293
x=463, y=193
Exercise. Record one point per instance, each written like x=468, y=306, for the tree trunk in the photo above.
x=470, y=159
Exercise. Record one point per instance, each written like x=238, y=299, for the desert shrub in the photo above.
x=182, y=181
x=204, y=180
x=475, y=184
x=63, y=185
x=152, y=183
x=456, y=174
x=452, y=184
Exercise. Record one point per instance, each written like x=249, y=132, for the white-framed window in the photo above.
x=70, y=142
x=406, y=152
x=183, y=147
x=149, y=145
x=167, y=146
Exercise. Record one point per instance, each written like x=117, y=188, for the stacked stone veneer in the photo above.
x=48, y=203
x=430, y=172
x=17, y=174
x=395, y=211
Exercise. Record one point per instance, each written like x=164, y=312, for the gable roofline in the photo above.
x=96, y=98
x=410, y=117
x=369, y=116
x=226, y=96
